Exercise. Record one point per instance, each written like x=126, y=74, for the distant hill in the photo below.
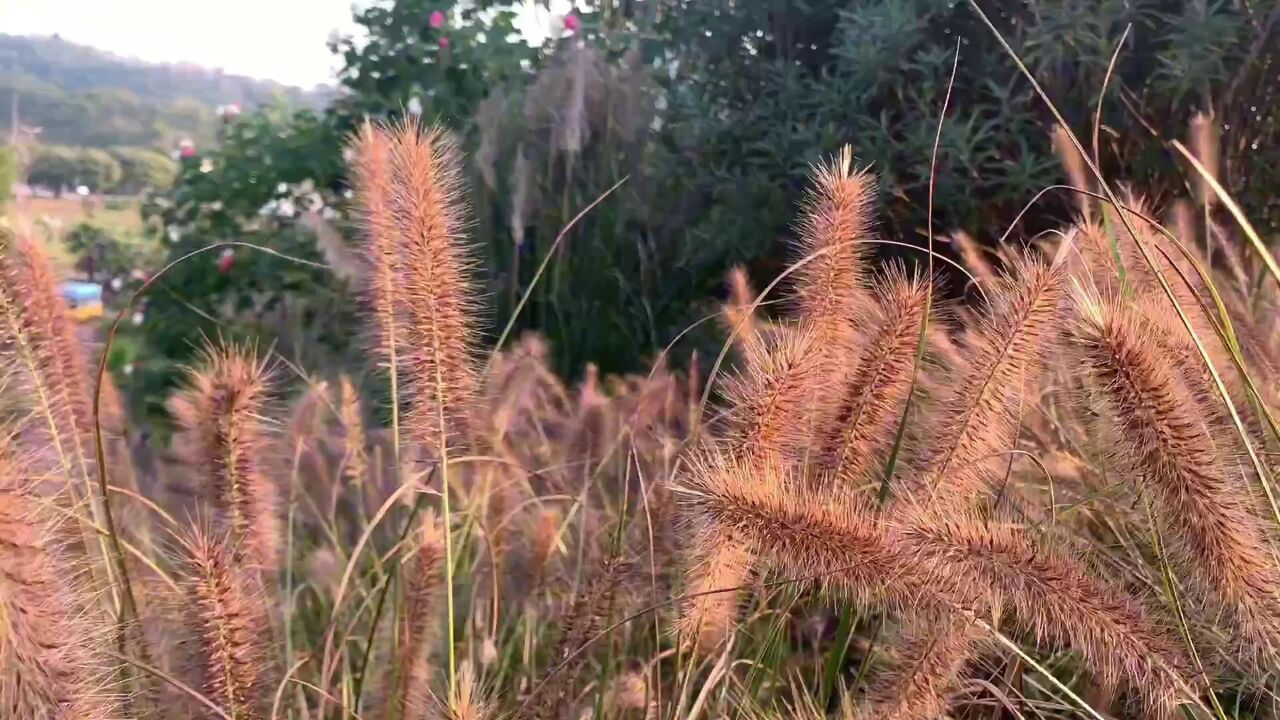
x=83, y=96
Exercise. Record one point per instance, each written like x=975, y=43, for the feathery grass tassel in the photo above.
x=866, y=421
x=1049, y=595
x=978, y=418
x=423, y=585
x=1168, y=445
x=224, y=438
x=49, y=665
x=931, y=656
x=940, y=564
x=836, y=223
x=584, y=619
x=783, y=394
x=229, y=618
x=434, y=289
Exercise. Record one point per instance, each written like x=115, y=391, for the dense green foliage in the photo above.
x=712, y=110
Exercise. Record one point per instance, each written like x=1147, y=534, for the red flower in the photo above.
x=226, y=260
x=571, y=22
x=443, y=43
x=436, y=21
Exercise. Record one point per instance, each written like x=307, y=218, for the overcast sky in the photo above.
x=282, y=40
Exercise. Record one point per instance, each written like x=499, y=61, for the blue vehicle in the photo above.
x=84, y=299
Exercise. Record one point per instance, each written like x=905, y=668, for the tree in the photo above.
x=97, y=169
x=143, y=170
x=54, y=167
x=58, y=167
x=104, y=254
x=275, y=170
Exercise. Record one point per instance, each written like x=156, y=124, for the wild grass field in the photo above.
x=1055, y=502
x=1048, y=493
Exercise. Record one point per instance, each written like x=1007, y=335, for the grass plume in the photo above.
x=423, y=586
x=229, y=618
x=1169, y=447
x=49, y=666
x=225, y=443
x=977, y=419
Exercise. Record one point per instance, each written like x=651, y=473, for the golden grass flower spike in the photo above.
x=931, y=654
x=371, y=180
x=585, y=617
x=738, y=315
x=434, y=300
x=355, y=455
x=1049, y=595
x=468, y=700
x=39, y=331
x=1171, y=450
x=224, y=440
x=1205, y=144
x=1073, y=164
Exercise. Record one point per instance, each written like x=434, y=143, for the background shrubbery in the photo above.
x=712, y=110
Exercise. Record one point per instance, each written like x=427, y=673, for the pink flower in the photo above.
x=436, y=21
x=571, y=22
x=443, y=43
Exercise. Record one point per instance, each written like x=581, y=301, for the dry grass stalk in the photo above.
x=229, y=616
x=1172, y=451
x=49, y=665
x=1205, y=145
x=225, y=440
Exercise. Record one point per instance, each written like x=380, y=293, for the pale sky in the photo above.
x=283, y=40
